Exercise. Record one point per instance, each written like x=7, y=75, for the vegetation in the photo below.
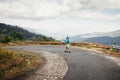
x=98, y=47
x=115, y=50
x=10, y=33
x=5, y=39
x=12, y=63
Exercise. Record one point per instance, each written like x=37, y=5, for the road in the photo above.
x=83, y=64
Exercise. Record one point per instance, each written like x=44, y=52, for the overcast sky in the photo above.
x=58, y=18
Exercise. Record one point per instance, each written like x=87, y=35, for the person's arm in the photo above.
x=64, y=40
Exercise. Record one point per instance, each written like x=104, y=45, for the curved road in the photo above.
x=83, y=64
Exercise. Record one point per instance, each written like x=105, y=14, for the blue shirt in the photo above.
x=67, y=41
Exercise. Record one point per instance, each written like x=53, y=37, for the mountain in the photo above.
x=77, y=38
x=98, y=37
x=104, y=40
x=18, y=33
x=100, y=34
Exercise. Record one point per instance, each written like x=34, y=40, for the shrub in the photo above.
x=2, y=73
x=6, y=54
x=115, y=50
x=6, y=39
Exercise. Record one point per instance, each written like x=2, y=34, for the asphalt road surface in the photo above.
x=83, y=64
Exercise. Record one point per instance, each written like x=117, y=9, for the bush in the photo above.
x=2, y=73
x=7, y=59
x=115, y=50
x=6, y=54
x=6, y=39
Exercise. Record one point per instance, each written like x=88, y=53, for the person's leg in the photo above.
x=69, y=48
x=68, y=45
x=66, y=48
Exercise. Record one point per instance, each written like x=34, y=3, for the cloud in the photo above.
x=103, y=4
x=90, y=14
x=39, y=9
x=60, y=17
x=31, y=9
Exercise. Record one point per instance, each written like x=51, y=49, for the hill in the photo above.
x=17, y=33
x=106, y=38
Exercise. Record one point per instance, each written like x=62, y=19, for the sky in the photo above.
x=59, y=18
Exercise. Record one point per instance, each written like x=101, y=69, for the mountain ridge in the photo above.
x=9, y=30
x=106, y=38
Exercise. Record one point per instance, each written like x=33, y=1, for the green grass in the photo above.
x=115, y=50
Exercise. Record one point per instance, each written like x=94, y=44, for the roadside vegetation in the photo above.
x=13, y=63
x=98, y=47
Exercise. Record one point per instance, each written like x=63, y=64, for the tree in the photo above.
x=44, y=38
x=6, y=39
x=16, y=36
x=115, y=43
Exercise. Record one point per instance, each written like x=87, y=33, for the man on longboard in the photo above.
x=67, y=44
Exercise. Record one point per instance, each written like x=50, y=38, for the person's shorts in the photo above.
x=68, y=45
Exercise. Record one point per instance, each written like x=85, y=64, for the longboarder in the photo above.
x=67, y=45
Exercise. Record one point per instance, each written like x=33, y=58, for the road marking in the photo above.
x=110, y=58
x=113, y=59
x=93, y=53
x=119, y=64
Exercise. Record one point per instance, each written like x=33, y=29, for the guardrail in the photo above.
x=116, y=47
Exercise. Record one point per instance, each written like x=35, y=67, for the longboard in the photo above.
x=67, y=51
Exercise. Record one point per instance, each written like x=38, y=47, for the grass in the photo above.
x=103, y=48
x=115, y=50
x=12, y=63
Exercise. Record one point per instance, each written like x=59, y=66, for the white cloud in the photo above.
x=104, y=4
x=54, y=8
x=60, y=17
x=90, y=14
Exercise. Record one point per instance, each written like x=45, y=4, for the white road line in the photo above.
x=93, y=53
x=116, y=60
x=113, y=59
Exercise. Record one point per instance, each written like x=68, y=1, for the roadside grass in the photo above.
x=13, y=63
x=103, y=48
x=31, y=43
x=115, y=50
